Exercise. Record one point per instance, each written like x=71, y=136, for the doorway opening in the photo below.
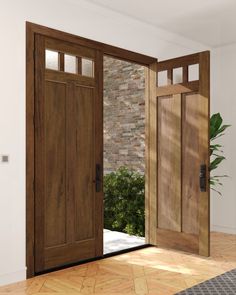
x=124, y=154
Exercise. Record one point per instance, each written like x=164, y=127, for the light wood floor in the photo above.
x=148, y=271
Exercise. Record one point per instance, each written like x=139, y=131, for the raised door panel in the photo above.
x=169, y=163
x=191, y=155
x=81, y=165
x=55, y=164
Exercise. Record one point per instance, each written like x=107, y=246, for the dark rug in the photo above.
x=224, y=284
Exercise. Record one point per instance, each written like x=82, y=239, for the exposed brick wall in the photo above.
x=124, y=115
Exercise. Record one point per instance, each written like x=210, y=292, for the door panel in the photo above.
x=55, y=158
x=179, y=121
x=68, y=219
x=82, y=161
x=191, y=159
x=68, y=253
x=169, y=163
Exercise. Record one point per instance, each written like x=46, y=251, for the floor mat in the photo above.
x=224, y=284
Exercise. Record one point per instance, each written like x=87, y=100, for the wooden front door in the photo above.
x=178, y=192
x=68, y=153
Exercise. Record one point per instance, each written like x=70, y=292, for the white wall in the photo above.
x=77, y=17
x=223, y=209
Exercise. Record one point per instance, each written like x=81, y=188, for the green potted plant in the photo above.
x=217, y=129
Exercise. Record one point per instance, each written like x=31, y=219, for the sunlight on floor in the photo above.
x=116, y=241
x=152, y=271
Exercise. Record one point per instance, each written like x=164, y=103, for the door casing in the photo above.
x=31, y=31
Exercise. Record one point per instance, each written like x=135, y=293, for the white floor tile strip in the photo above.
x=116, y=241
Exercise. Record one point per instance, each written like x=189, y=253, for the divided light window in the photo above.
x=175, y=76
x=69, y=63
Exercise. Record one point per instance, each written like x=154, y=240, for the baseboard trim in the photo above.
x=223, y=229
x=12, y=277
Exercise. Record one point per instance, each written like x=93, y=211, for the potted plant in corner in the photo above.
x=217, y=129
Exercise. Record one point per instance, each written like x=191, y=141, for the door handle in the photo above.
x=98, y=180
x=202, y=178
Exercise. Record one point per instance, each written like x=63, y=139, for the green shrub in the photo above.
x=124, y=201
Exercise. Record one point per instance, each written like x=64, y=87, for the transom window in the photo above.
x=176, y=75
x=69, y=63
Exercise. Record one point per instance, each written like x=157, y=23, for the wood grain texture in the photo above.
x=169, y=163
x=71, y=161
x=69, y=253
x=39, y=155
x=68, y=229
x=147, y=156
x=182, y=208
x=177, y=240
x=98, y=106
x=178, y=88
x=61, y=62
x=191, y=161
x=185, y=74
x=152, y=270
x=79, y=65
x=152, y=157
x=52, y=75
x=30, y=151
x=53, y=168
x=70, y=48
x=204, y=209
x=82, y=161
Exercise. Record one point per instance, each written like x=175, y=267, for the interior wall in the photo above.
x=223, y=81
x=73, y=16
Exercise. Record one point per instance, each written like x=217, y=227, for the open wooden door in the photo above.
x=178, y=157
x=68, y=153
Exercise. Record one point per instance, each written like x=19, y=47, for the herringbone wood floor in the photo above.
x=148, y=271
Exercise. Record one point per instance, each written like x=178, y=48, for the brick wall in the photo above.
x=124, y=115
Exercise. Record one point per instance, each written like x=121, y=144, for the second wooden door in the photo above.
x=68, y=153
x=178, y=194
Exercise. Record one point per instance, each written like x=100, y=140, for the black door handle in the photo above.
x=202, y=178
x=98, y=180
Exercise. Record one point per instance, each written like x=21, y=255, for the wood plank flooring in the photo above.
x=153, y=271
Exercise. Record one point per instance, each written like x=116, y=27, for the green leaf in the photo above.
x=219, y=176
x=217, y=136
x=215, y=147
x=216, y=155
x=220, y=131
x=215, y=123
x=214, y=164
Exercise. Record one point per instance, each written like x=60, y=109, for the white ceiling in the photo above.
x=211, y=22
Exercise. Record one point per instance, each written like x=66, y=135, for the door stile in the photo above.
x=151, y=161
x=99, y=151
x=70, y=197
x=204, y=212
x=40, y=152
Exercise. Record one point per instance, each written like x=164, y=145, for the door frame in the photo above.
x=150, y=62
